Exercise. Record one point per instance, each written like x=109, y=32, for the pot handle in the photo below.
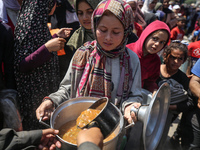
x=43, y=123
x=130, y=125
x=135, y=110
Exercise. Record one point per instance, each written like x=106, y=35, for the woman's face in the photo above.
x=152, y=4
x=84, y=14
x=155, y=42
x=175, y=59
x=109, y=32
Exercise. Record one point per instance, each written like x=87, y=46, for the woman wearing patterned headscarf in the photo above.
x=138, y=15
x=36, y=63
x=103, y=67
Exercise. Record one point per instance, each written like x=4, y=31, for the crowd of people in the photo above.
x=111, y=48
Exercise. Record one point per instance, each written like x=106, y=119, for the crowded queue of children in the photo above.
x=110, y=60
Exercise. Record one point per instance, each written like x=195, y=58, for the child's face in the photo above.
x=155, y=42
x=109, y=32
x=181, y=24
x=84, y=14
x=175, y=59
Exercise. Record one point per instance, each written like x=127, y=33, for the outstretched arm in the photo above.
x=10, y=139
x=195, y=87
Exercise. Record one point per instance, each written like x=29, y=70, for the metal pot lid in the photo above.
x=155, y=117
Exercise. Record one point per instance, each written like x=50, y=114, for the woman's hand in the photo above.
x=64, y=32
x=45, y=110
x=55, y=44
x=130, y=116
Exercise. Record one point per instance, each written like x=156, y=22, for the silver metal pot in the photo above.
x=71, y=109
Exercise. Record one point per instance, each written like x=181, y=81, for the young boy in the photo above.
x=177, y=32
x=196, y=32
x=194, y=53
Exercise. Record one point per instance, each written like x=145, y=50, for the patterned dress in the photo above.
x=30, y=34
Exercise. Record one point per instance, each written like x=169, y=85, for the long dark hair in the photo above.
x=175, y=45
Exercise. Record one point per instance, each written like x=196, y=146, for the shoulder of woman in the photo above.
x=86, y=47
x=75, y=34
x=82, y=54
x=76, y=38
x=132, y=54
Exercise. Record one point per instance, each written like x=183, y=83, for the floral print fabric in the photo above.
x=31, y=33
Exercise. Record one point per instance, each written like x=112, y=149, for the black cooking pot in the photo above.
x=108, y=118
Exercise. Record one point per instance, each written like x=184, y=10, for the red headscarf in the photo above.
x=150, y=64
